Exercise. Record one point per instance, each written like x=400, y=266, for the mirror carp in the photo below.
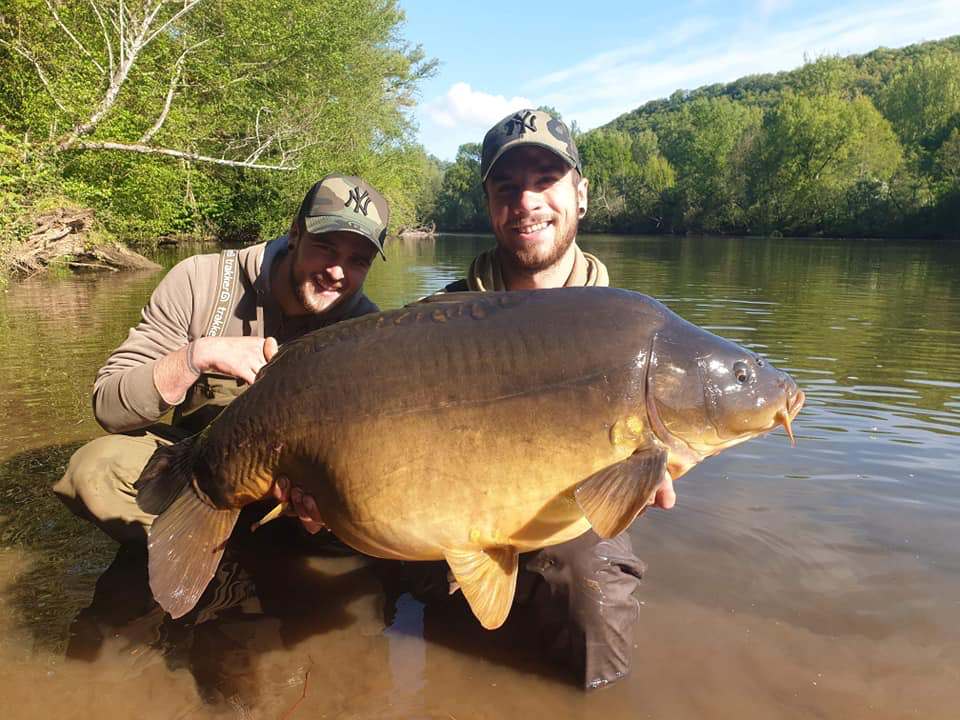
x=470, y=428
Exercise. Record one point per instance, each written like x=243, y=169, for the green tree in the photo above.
x=706, y=142
x=923, y=100
x=164, y=114
x=814, y=151
x=627, y=177
x=461, y=203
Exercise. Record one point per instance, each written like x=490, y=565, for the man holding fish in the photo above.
x=536, y=194
x=604, y=369
x=209, y=327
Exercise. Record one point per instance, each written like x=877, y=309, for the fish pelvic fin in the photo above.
x=185, y=545
x=613, y=497
x=488, y=579
x=166, y=473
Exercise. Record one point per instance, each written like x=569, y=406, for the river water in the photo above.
x=815, y=581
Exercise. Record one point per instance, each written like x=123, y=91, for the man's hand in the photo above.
x=665, y=498
x=301, y=504
x=239, y=357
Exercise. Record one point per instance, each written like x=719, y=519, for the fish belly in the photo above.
x=469, y=477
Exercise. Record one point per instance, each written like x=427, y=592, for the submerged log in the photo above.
x=62, y=237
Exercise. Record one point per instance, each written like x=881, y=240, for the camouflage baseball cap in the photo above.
x=345, y=202
x=528, y=127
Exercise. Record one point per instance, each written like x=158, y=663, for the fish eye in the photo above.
x=741, y=371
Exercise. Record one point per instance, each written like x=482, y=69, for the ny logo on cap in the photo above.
x=360, y=200
x=521, y=123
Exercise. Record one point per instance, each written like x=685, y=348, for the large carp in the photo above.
x=469, y=428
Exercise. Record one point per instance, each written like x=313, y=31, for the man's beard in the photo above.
x=535, y=259
x=301, y=287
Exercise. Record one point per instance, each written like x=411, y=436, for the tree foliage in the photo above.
x=863, y=145
x=210, y=116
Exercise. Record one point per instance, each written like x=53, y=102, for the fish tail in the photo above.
x=168, y=471
x=185, y=545
x=187, y=538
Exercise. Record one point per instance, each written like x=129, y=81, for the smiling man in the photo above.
x=209, y=327
x=582, y=591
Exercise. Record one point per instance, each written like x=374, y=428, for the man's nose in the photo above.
x=336, y=272
x=529, y=199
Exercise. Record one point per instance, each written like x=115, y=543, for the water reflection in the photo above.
x=821, y=580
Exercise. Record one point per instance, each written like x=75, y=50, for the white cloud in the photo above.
x=598, y=89
x=463, y=115
x=697, y=50
x=463, y=106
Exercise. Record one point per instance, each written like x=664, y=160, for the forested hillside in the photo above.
x=865, y=146
x=199, y=118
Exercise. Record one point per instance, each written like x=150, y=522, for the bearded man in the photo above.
x=536, y=194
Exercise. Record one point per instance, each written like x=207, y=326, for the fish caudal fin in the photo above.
x=168, y=471
x=488, y=579
x=612, y=498
x=186, y=543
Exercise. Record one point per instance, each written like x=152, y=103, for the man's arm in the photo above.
x=150, y=373
x=124, y=394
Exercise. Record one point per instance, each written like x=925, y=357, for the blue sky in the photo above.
x=596, y=60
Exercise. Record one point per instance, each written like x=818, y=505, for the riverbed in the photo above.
x=821, y=580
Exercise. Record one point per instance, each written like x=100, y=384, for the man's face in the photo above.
x=534, y=199
x=327, y=268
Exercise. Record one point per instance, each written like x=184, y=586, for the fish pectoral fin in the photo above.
x=614, y=496
x=185, y=544
x=488, y=579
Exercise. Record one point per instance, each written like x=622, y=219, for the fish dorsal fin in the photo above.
x=488, y=579
x=614, y=496
x=186, y=543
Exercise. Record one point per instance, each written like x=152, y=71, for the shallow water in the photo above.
x=816, y=581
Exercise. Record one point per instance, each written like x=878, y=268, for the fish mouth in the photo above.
x=786, y=416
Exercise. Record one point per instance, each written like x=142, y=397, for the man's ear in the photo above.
x=582, y=197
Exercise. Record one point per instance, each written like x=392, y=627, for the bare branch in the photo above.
x=56, y=16
x=174, y=79
x=176, y=16
x=166, y=103
x=261, y=148
x=106, y=35
x=182, y=155
x=20, y=50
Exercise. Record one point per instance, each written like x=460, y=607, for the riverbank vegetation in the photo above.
x=197, y=118
x=859, y=146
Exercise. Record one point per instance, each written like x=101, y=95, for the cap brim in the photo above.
x=318, y=224
x=520, y=141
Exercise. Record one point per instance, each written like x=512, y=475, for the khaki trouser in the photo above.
x=98, y=484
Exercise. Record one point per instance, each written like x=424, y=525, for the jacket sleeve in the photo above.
x=124, y=394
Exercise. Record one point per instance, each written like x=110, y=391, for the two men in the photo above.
x=536, y=195
x=210, y=325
